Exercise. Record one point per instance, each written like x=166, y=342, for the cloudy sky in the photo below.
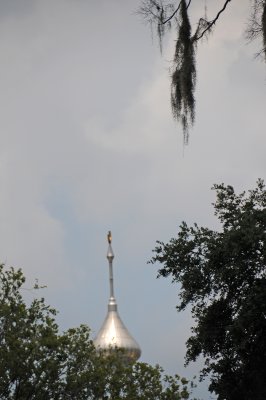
x=88, y=144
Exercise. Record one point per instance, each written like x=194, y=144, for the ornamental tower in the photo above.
x=113, y=333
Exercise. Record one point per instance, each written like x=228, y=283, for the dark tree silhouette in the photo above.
x=222, y=278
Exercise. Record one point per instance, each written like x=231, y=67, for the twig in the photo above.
x=174, y=13
x=210, y=24
x=172, y=16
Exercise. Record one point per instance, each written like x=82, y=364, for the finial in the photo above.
x=110, y=254
x=113, y=333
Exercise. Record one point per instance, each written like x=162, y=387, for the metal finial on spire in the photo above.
x=113, y=332
x=110, y=254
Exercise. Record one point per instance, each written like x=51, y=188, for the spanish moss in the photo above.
x=184, y=75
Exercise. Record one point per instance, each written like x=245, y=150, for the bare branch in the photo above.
x=257, y=25
x=175, y=12
x=210, y=23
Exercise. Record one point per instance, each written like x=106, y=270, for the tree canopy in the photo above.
x=166, y=15
x=37, y=362
x=222, y=277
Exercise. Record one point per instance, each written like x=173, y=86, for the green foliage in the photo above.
x=175, y=15
x=29, y=359
x=223, y=278
x=39, y=363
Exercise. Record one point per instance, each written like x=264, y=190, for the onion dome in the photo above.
x=113, y=333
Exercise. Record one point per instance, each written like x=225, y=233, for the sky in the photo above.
x=88, y=144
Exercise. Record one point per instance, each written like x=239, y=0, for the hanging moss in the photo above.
x=184, y=74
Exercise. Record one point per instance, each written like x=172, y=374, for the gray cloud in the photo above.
x=87, y=144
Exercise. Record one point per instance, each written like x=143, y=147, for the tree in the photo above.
x=37, y=362
x=222, y=277
x=165, y=14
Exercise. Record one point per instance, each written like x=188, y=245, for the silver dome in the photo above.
x=113, y=333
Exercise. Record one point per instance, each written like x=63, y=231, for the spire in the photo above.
x=110, y=256
x=113, y=332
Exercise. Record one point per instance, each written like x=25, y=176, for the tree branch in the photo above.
x=174, y=13
x=210, y=24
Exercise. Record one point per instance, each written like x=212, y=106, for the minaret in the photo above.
x=113, y=333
